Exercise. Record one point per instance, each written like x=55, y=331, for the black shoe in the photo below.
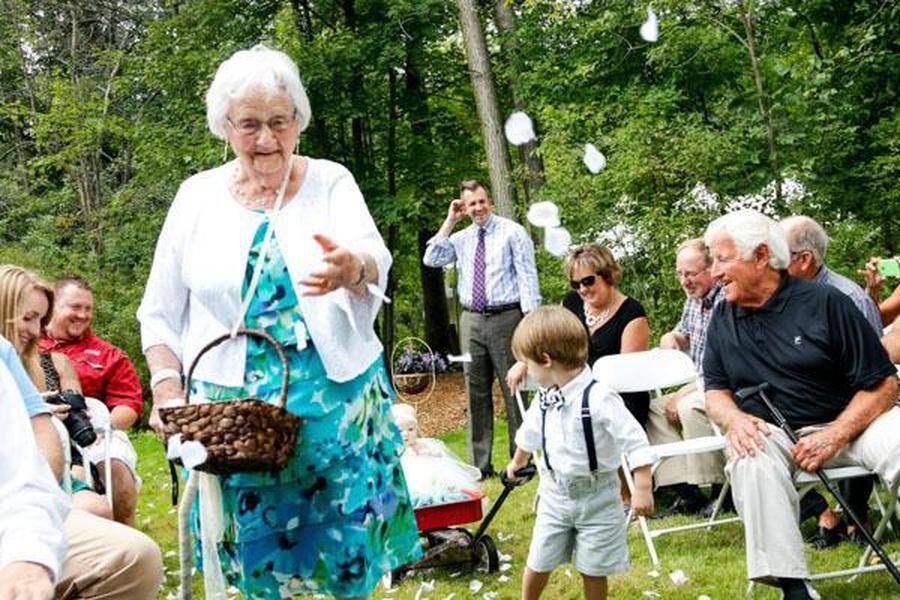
x=488, y=472
x=826, y=538
x=727, y=506
x=682, y=506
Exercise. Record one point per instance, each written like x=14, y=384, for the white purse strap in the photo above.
x=257, y=271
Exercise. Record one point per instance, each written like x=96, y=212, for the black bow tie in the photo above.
x=550, y=398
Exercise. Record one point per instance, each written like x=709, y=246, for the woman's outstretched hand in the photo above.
x=340, y=268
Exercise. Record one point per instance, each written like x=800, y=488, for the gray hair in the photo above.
x=698, y=246
x=804, y=233
x=749, y=229
x=259, y=69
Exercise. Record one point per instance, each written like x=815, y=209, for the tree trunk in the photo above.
x=762, y=98
x=503, y=191
x=528, y=154
x=387, y=311
x=437, y=320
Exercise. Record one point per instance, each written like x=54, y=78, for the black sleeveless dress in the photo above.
x=608, y=340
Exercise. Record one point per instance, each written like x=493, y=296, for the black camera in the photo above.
x=78, y=423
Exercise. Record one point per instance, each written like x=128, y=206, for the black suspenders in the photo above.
x=586, y=427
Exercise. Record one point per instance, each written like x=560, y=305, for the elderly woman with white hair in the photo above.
x=284, y=243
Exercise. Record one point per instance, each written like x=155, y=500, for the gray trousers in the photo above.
x=768, y=502
x=488, y=338
x=696, y=469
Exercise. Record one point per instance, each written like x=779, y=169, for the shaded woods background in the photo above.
x=791, y=106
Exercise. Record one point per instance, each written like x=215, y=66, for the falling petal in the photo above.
x=653, y=573
x=678, y=577
x=193, y=454
x=703, y=597
x=503, y=536
x=567, y=573
x=519, y=129
x=650, y=28
x=503, y=579
x=489, y=595
x=475, y=585
x=593, y=159
x=462, y=358
x=543, y=214
x=504, y=557
x=505, y=567
x=650, y=594
x=557, y=240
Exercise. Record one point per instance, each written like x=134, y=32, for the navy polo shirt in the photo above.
x=809, y=341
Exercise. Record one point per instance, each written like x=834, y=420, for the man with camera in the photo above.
x=105, y=373
x=104, y=559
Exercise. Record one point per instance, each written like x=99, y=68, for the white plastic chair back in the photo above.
x=650, y=370
x=67, y=454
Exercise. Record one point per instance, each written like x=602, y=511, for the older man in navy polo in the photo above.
x=828, y=373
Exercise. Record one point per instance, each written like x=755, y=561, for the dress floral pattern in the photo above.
x=338, y=515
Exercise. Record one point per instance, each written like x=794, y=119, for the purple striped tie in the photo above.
x=479, y=296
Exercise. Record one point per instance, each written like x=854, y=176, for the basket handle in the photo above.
x=259, y=334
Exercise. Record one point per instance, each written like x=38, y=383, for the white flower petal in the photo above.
x=475, y=585
x=594, y=160
x=543, y=214
x=557, y=240
x=650, y=28
x=519, y=129
x=678, y=577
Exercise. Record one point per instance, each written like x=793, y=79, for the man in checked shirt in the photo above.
x=497, y=283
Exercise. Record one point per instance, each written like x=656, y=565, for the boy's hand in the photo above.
x=642, y=502
x=511, y=469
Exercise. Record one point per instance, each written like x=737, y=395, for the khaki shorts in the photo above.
x=582, y=521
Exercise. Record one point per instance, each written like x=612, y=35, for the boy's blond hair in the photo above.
x=554, y=331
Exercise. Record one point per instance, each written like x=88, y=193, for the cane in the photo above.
x=744, y=393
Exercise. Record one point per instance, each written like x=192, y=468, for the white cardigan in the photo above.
x=193, y=293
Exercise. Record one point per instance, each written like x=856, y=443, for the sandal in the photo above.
x=826, y=538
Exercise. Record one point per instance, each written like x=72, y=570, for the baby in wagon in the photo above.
x=433, y=473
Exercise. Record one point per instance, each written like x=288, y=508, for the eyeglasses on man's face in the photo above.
x=686, y=275
x=584, y=281
x=253, y=127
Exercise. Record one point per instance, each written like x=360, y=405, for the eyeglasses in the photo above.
x=795, y=254
x=584, y=281
x=252, y=127
x=689, y=274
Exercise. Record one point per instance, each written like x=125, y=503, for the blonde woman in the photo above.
x=25, y=305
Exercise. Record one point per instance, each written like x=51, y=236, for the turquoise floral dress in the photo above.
x=338, y=515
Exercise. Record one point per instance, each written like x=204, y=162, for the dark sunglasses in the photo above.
x=584, y=281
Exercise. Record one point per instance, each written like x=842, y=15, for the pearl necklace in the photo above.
x=592, y=320
x=245, y=199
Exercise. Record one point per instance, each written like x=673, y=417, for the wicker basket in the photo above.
x=241, y=435
x=412, y=383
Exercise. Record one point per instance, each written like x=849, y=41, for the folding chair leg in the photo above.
x=642, y=521
x=726, y=487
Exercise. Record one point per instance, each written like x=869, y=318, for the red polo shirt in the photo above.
x=105, y=371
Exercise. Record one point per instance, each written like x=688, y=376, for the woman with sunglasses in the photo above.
x=615, y=323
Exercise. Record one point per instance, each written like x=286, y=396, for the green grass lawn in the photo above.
x=713, y=561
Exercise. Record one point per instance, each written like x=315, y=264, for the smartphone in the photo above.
x=889, y=267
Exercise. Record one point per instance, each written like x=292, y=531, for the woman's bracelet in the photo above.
x=162, y=375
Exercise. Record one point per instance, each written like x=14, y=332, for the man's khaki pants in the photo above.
x=768, y=502
x=107, y=560
x=696, y=469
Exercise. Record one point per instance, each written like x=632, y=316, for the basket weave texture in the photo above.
x=412, y=383
x=240, y=435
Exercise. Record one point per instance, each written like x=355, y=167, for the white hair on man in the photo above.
x=805, y=234
x=247, y=72
x=749, y=229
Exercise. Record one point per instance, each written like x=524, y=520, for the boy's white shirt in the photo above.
x=616, y=431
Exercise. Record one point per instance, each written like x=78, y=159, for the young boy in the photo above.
x=582, y=428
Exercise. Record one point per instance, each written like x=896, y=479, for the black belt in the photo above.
x=493, y=310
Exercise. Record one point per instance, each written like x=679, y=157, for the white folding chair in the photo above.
x=67, y=454
x=653, y=371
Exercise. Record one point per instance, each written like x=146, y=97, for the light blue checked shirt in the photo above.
x=510, y=275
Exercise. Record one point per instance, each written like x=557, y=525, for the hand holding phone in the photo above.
x=889, y=267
